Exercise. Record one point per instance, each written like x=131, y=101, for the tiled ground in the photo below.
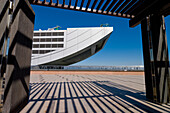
x=89, y=93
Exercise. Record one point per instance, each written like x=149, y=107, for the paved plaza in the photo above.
x=89, y=93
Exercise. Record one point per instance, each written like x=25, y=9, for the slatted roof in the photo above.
x=120, y=8
x=132, y=9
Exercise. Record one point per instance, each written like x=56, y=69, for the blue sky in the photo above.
x=124, y=46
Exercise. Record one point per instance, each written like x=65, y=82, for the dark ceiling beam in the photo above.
x=57, y=2
x=122, y=6
x=76, y=4
x=87, y=6
x=69, y=4
x=157, y=7
x=102, y=13
x=63, y=3
x=51, y=1
x=82, y=2
x=117, y=5
x=94, y=4
x=105, y=5
x=142, y=5
x=100, y=4
x=136, y=5
x=111, y=5
x=128, y=6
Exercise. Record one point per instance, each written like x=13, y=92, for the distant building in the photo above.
x=65, y=47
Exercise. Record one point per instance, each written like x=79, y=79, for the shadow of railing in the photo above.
x=88, y=96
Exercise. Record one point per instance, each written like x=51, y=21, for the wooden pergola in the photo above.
x=131, y=9
x=17, y=21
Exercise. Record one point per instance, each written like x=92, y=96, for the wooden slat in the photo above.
x=56, y=6
x=117, y=5
x=87, y=6
x=95, y=2
x=111, y=5
x=106, y=4
x=134, y=7
x=128, y=6
x=100, y=4
x=82, y=2
x=155, y=6
x=122, y=6
x=57, y=2
x=69, y=4
x=63, y=3
x=51, y=1
x=76, y=4
x=142, y=5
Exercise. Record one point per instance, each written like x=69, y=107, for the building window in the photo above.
x=36, y=34
x=60, y=39
x=60, y=45
x=48, y=45
x=43, y=34
x=57, y=45
x=36, y=40
x=61, y=34
x=41, y=51
x=35, y=45
x=42, y=39
x=48, y=39
x=42, y=45
x=48, y=34
x=57, y=39
x=34, y=51
x=58, y=33
x=54, y=45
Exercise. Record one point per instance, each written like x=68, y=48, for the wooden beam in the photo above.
x=75, y=4
x=106, y=4
x=82, y=2
x=87, y=6
x=69, y=4
x=154, y=8
x=128, y=6
x=63, y=3
x=123, y=6
x=100, y=4
x=136, y=5
x=94, y=3
x=111, y=5
x=102, y=13
x=117, y=5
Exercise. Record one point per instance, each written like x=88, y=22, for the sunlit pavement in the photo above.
x=89, y=93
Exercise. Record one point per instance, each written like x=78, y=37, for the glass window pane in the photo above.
x=48, y=39
x=42, y=39
x=35, y=52
x=42, y=45
x=43, y=34
x=60, y=45
x=48, y=45
x=35, y=45
x=54, y=45
x=36, y=34
x=36, y=40
x=48, y=34
x=60, y=39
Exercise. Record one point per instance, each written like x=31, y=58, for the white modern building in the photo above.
x=65, y=47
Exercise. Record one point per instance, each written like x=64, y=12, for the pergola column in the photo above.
x=156, y=61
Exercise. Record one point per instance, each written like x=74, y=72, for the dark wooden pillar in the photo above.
x=156, y=61
x=20, y=19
